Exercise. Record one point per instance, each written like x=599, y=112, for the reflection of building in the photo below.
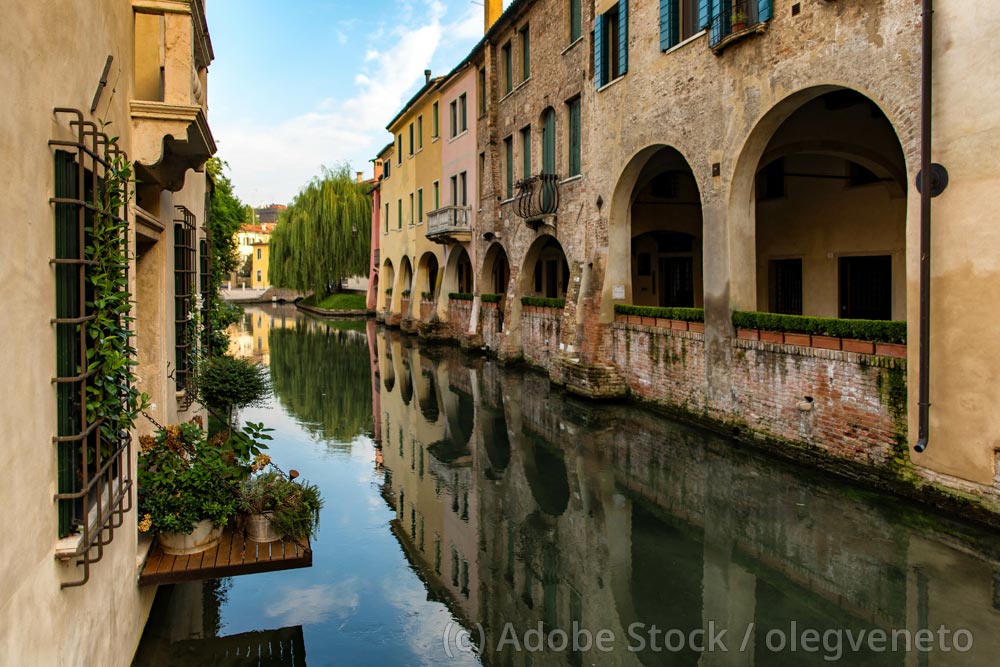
x=610, y=516
x=752, y=192
x=250, y=338
x=68, y=583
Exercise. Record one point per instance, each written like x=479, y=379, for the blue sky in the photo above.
x=304, y=83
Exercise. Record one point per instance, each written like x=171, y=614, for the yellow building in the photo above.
x=258, y=269
x=410, y=188
x=68, y=582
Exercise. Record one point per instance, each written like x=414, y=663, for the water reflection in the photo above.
x=519, y=506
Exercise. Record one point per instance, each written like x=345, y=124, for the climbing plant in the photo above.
x=226, y=214
x=111, y=393
x=324, y=235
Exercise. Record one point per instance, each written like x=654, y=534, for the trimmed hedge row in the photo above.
x=879, y=331
x=684, y=314
x=543, y=302
x=460, y=296
x=490, y=298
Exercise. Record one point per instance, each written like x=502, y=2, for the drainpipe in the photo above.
x=924, y=361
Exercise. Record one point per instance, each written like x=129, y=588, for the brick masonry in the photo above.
x=849, y=405
x=540, y=329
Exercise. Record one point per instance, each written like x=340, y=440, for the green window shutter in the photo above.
x=763, y=10
x=525, y=55
x=704, y=13
x=667, y=38
x=719, y=20
x=510, y=168
x=599, y=52
x=622, y=37
x=575, y=21
x=574, y=137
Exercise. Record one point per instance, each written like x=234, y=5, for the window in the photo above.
x=463, y=188
x=385, y=168
x=508, y=68
x=724, y=18
x=454, y=190
x=681, y=19
x=525, y=54
x=437, y=195
x=784, y=286
x=575, y=20
x=453, y=127
x=574, y=136
x=184, y=276
x=435, y=132
x=258, y=253
x=866, y=287
x=79, y=442
x=258, y=276
x=549, y=141
x=481, y=185
x=526, y=152
x=420, y=132
x=386, y=217
x=412, y=219
x=508, y=155
x=482, y=91
x=611, y=44
x=420, y=206
x=463, y=124
x=399, y=149
x=399, y=214
x=411, y=138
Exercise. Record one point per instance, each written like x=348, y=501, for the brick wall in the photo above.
x=851, y=405
x=490, y=317
x=540, y=328
x=459, y=313
x=426, y=310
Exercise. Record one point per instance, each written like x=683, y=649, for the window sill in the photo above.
x=70, y=546
x=459, y=135
x=515, y=89
x=611, y=83
x=571, y=179
x=571, y=45
x=693, y=38
x=433, y=139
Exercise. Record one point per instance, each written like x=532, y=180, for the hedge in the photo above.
x=684, y=314
x=879, y=331
x=460, y=296
x=405, y=294
x=490, y=298
x=543, y=302
x=427, y=295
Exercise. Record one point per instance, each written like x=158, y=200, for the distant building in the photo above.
x=268, y=215
x=258, y=266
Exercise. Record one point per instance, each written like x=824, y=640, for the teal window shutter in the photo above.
x=763, y=10
x=667, y=23
x=622, y=37
x=598, y=52
x=704, y=13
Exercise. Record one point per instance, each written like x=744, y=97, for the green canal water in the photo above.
x=474, y=515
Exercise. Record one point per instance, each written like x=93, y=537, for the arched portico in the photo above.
x=458, y=278
x=389, y=274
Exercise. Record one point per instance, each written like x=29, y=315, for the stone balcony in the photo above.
x=169, y=139
x=450, y=224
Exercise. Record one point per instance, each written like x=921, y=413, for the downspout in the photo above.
x=924, y=360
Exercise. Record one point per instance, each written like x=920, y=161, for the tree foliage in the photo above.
x=324, y=236
x=226, y=215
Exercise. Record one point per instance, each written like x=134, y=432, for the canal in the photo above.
x=474, y=515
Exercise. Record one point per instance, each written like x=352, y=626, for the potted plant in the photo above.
x=738, y=20
x=187, y=487
x=278, y=506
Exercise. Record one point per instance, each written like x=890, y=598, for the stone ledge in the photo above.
x=819, y=353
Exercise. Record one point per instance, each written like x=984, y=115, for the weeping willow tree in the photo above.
x=324, y=236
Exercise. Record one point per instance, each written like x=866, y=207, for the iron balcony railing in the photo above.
x=537, y=196
x=448, y=220
x=735, y=17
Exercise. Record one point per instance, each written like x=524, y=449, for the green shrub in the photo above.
x=672, y=313
x=543, y=302
x=427, y=295
x=460, y=296
x=405, y=294
x=388, y=290
x=227, y=383
x=293, y=507
x=490, y=298
x=879, y=331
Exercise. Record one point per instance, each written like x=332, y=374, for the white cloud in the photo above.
x=304, y=606
x=270, y=163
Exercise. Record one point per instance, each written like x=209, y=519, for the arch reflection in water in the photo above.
x=553, y=511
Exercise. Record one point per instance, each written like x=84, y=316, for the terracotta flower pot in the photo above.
x=204, y=536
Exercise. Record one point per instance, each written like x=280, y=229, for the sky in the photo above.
x=301, y=84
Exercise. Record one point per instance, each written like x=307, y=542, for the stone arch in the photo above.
x=457, y=278
x=427, y=276
x=385, y=300
x=545, y=271
x=494, y=276
x=782, y=131
x=404, y=282
x=658, y=188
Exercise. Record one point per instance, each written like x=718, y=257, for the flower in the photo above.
x=146, y=442
x=145, y=524
x=260, y=462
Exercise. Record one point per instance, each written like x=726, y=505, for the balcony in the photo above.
x=450, y=224
x=537, y=199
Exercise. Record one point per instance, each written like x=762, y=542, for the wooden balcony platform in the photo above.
x=233, y=556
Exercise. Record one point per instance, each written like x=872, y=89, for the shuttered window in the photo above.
x=718, y=15
x=574, y=136
x=508, y=156
x=526, y=152
x=575, y=20
x=681, y=19
x=525, y=54
x=611, y=44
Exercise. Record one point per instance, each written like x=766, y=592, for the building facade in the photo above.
x=121, y=79
x=715, y=208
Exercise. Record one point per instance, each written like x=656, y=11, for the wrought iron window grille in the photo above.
x=185, y=271
x=94, y=486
